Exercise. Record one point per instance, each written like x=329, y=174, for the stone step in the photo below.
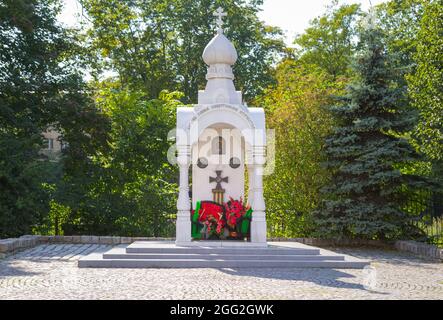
x=168, y=255
x=98, y=262
x=178, y=256
x=217, y=250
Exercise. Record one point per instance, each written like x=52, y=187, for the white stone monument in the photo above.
x=219, y=128
x=218, y=138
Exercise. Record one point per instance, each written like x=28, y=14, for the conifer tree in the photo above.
x=365, y=152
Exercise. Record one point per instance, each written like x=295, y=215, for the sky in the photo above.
x=292, y=16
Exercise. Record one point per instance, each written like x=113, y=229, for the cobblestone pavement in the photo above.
x=51, y=272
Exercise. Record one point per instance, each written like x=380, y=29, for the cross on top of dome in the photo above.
x=219, y=14
x=220, y=50
x=219, y=55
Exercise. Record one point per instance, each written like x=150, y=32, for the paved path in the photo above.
x=50, y=272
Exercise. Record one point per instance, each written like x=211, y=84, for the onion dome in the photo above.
x=220, y=51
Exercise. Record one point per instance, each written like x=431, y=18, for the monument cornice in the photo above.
x=203, y=109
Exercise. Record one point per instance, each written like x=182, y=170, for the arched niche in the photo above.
x=217, y=114
x=231, y=161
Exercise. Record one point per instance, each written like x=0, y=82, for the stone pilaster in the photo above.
x=183, y=223
x=251, y=185
x=258, y=224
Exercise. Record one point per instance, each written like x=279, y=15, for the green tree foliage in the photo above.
x=155, y=45
x=294, y=109
x=400, y=21
x=329, y=41
x=130, y=188
x=39, y=87
x=365, y=151
x=425, y=86
x=113, y=177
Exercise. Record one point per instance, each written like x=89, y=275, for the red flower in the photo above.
x=210, y=210
x=234, y=209
x=211, y=215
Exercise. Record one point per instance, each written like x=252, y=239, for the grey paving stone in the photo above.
x=81, y=252
x=78, y=252
x=393, y=275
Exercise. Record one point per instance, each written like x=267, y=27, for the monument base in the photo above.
x=204, y=254
x=221, y=244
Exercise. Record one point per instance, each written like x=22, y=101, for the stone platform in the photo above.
x=219, y=254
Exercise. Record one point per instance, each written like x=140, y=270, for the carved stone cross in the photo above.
x=218, y=192
x=218, y=179
x=219, y=14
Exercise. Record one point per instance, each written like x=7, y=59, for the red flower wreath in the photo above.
x=235, y=209
x=212, y=216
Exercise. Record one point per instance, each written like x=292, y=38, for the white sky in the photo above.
x=292, y=16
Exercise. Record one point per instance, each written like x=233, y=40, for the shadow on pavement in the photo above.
x=8, y=269
x=319, y=276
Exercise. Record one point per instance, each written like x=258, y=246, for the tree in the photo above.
x=425, y=86
x=329, y=43
x=156, y=45
x=39, y=87
x=366, y=151
x=400, y=20
x=129, y=188
x=294, y=110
